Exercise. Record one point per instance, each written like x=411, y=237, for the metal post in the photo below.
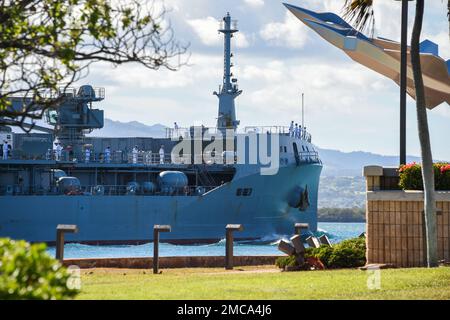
x=403, y=80
x=303, y=111
x=60, y=230
x=230, y=228
x=299, y=226
x=156, y=230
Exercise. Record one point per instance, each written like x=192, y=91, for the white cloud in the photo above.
x=289, y=33
x=206, y=30
x=254, y=3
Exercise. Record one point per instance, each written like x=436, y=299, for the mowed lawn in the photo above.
x=263, y=283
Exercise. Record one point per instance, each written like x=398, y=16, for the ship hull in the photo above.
x=129, y=219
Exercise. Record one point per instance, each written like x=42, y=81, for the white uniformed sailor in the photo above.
x=5, y=150
x=291, y=129
x=108, y=154
x=135, y=154
x=176, y=127
x=296, y=131
x=87, y=154
x=59, y=149
x=161, y=155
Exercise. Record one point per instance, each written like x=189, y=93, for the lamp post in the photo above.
x=403, y=79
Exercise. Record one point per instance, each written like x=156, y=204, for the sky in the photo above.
x=276, y=58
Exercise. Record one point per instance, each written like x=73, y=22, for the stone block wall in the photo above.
x=395, y=223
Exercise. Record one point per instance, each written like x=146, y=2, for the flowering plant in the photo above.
x=411, y=176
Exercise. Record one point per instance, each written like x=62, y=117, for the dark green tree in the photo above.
x=48, y=45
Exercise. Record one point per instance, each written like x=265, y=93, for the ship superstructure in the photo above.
x=116, y=189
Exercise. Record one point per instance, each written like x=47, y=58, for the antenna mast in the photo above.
x=228, y=91
x=303, y=110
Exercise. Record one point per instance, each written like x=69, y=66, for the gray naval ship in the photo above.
x=116, y=189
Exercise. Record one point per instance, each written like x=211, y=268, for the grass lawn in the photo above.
x=263, y=283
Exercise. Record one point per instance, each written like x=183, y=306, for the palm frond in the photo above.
x=359, y=13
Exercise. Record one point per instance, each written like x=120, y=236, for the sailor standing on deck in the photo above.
x=291, y=129
x=87, y=155
x=108, y=154
x=135, y=154
x=175, y=127
x=296, y=131
x=5, y=150
x=161, y=155
x=58, y=149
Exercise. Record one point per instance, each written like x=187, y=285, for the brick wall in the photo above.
x=395, y=230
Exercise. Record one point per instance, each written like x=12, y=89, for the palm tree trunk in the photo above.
x=424, y=138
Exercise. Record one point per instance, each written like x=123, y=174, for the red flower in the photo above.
x=406, y=166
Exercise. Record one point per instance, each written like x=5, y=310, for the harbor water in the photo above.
x=336, y=232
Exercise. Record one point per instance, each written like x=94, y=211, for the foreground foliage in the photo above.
x=28, y=272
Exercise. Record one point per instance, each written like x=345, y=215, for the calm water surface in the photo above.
x=335, y=231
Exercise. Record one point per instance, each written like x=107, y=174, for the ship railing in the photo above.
x=281, y=130
x=140, y=189
x=184, y=133
x=142, y=157
x=98, y=92
x=108, y=190
x=309, y=157
x=172, y=133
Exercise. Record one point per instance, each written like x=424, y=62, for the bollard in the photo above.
x=60, y=230
x=299, y=226
x=230, y=228
x=156, y=230
x=324, y=240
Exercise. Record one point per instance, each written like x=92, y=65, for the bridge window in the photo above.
x=244, y=192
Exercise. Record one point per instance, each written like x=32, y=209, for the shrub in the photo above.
x=288, y=261
x=349, y=253
x=28, y=272
x=411, y=176
x=323, y=253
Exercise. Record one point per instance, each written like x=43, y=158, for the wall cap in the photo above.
x=408, y=195
x=372, y=171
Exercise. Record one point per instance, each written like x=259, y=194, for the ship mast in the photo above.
x=228, y=91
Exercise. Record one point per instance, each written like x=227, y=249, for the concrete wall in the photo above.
x=395, y=228
x=170, y=262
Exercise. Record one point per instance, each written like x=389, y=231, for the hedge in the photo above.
x=411, y=176
x=349, y=253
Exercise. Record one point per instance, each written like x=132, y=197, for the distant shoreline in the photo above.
x=348, y=215
x=342, y=221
